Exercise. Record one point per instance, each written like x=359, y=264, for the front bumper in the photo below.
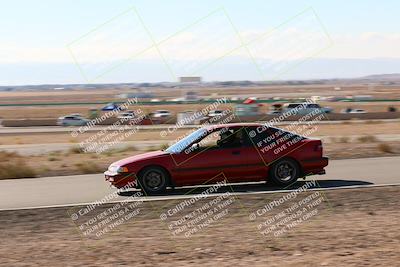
x=119, y=180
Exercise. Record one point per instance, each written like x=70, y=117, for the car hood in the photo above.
x=149, y=155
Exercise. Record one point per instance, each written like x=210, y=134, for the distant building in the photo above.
x=190, y=79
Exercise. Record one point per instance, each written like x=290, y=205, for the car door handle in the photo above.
x=236, y=152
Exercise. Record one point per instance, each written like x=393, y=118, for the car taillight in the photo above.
x=318, y=147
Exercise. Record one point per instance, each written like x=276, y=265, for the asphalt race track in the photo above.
x=79, y=189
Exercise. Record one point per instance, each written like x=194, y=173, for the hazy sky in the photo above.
x=89, y=41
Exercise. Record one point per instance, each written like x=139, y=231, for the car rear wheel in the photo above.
x=153, y=180
x=284, y=172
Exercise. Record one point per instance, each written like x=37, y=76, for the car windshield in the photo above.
x=293, y=105
x=185, y=142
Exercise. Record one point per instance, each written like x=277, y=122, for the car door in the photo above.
x=197, y=167
x=68, y=121
x=245, y=162
x=76, y=121
x=239, y=164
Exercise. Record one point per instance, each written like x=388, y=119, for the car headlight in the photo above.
x=118, y=169
x=122, y=169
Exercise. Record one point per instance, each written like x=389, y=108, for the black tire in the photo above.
x=153, y=180
x=284, y=172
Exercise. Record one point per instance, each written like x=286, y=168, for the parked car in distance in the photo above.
x=201, y=157
x=305, y=108
x=275, y=109
x=217, y=112
x=161, y=113
x=112, y=106
x=353, y=110
x=189, y=117
x=127, y=115
x=274, y=112
x=76, y=114
x=72, y=120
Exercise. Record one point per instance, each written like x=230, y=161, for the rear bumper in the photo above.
x=323, y=161
x=315, y=165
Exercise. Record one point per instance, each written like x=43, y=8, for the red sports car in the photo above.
x=240, y=152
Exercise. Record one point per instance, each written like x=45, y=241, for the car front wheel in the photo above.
x=153, y=180
x=284, y=172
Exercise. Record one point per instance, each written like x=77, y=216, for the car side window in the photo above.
x=226, y=138
x=293, y=105
x=261, y=136
x=233, y=138
x=209, y=141
x=313, y=106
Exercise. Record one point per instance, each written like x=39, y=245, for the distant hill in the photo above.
x=383, y=77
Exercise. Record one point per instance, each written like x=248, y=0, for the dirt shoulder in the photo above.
x=357, y=227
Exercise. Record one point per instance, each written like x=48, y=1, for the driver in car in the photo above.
x=228, y=139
